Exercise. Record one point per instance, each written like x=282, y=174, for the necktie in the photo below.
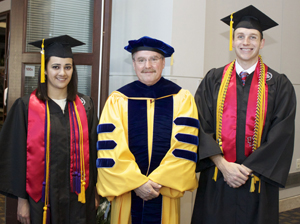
x=243, y=76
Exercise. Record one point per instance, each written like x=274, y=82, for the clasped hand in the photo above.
x=148, y=190
x=235, y=175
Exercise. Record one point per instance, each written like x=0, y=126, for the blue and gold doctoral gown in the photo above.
x=147, y=132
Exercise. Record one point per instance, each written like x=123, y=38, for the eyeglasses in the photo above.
x=152, y=60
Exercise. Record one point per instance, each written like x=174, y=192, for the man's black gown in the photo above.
x=216, y=202
x=65, y=207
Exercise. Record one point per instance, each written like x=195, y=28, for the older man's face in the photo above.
x=148, y=66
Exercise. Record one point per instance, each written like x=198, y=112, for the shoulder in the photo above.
x=215, y=74
x=277, y=79
x=86, y=101
x=184, y=93
x=21, y=102
x=128, y=90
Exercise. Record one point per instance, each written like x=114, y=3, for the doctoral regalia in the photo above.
x=147, y=132
x=64, y=205
x=216, y=202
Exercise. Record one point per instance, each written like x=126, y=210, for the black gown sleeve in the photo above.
x=13, y=143
x=272, y=160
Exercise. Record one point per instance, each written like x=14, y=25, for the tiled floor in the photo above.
x=2, y=209
x=290, y=217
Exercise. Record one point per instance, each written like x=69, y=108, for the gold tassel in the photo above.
x=252, y=188
x=215, y=174
x=172, y=60
x=81, y=196
x=230, y=32
x=45, y=215
x=254, y=179
x=43, y=63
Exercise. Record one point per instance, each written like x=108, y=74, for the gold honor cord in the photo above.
x=220, y=107
x=47, y=166
x=259, y=118
x=43, y=63
x=81, y=195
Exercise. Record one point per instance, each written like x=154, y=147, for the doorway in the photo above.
x=4, y=22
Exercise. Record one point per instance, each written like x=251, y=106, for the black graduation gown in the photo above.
x=65, y=207
x=216, y=202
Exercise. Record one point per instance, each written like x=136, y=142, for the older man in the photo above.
x=147, y=141
x=247, y=119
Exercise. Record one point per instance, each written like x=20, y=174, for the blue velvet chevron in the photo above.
x=106, y=145
x=186, y=138
x=105, y=128
x=187, y=121
x=105, y=163
x=185, y=154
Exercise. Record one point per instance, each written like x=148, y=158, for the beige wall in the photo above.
x=5, y=5
x=188, y=27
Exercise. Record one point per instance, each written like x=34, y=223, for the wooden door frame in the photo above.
x=7, y=15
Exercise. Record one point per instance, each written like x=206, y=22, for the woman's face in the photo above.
x=59, y=73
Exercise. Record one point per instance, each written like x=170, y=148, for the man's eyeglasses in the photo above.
x=152, y=60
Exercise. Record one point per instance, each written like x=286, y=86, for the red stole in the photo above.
x=36, y=141
x=229, y=123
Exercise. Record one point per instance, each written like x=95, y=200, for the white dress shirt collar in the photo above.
x=239, y=68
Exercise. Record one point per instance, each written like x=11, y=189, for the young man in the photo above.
x=147, y=141
x=246, y=131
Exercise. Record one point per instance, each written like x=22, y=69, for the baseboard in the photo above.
x=289, y=203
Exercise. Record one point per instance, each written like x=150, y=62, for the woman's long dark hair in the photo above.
x=41, y=92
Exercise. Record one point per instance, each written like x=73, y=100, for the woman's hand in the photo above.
x=23, y=211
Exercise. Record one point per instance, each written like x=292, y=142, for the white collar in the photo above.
x=61, y=103
x=239, y=68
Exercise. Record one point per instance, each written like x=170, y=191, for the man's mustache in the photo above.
x=148, y=70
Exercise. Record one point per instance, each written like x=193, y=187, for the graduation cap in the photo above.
x=57, y=46
x=149, y=44
x=250, y=18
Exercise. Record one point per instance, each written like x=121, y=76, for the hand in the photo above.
x=97, y=199
x=23, y=211
x=148, y=190
x=248, y=170
x=235, y=175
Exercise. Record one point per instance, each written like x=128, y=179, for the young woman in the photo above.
x=48, y=144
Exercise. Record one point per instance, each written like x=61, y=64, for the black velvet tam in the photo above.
x=149, y=44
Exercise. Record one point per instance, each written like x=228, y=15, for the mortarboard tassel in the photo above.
x=43, y=63
x=230, y=32
x=172, y=60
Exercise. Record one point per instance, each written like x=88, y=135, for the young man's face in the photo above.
x=148, y=66
x=247, y=43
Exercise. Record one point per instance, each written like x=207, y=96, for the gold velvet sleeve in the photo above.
x=177, y=174
x=125, y=174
